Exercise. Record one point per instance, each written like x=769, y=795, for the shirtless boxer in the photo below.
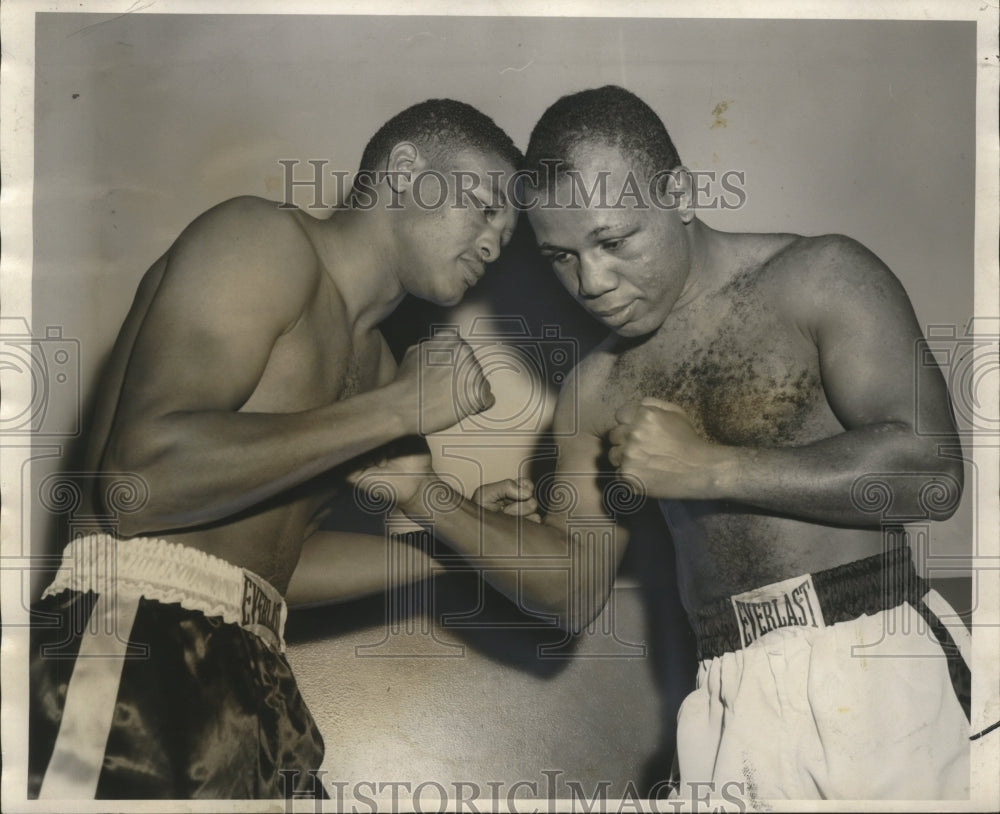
x=246, y=380
x=755, y=384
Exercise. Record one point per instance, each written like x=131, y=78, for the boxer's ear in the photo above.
x=675, y=190
x=402, y=166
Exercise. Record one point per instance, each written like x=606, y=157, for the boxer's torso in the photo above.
x=747, y=374
x=319, y=360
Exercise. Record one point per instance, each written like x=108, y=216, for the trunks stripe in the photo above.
x=991, y=728
x=955, y=626
x=78, y=754
x=957, y=656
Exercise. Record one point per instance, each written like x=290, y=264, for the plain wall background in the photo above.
x=144, y=121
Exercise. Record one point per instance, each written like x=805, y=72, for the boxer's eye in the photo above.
x=489, y=211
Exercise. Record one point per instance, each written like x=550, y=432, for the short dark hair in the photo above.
x=441, y=128
x=609, y=115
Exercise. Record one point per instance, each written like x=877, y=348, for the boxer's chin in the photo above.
x=639, y=324
x=451, y=300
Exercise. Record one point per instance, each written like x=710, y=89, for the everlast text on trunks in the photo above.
x=790, y=603
x=262, y=606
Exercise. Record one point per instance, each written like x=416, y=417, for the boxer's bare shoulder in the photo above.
x=829, y=275
x=751, y=363
x=243, y=255
x=245, y=243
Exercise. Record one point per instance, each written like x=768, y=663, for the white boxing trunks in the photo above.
x=850, y=683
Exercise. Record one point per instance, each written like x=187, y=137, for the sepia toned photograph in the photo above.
x=499, y=408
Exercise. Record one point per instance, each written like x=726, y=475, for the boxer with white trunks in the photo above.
x=849, y=683
x=761, y=387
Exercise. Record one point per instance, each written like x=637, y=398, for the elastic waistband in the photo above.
x=173, y=573
x=840, y=594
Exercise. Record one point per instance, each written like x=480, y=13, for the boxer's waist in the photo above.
x=173, y=573
x=814, y=600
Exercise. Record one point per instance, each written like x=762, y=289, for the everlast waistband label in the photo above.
x=262, y=607
x=789, y=603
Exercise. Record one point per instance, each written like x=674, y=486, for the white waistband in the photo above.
x=173, y=573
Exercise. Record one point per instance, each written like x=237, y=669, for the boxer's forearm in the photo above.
x=856, y=478
x=203, y=466
x=544, y=567
x=339, y=566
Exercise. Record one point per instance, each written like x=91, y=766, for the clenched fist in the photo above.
x=443, y=383
x=655, y=442
x=509, y=496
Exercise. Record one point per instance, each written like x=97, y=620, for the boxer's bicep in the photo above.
x=870, y=346
x=582, y=482
x=233, y=282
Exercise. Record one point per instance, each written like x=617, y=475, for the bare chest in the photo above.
x=319, y=362
x=740, y=375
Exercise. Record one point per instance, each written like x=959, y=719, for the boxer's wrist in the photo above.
x=431, y=496
x=403, y=406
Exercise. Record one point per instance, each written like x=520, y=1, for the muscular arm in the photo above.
x=550, y=567
x=876, y=380
x=337, y=566
x=236, y=280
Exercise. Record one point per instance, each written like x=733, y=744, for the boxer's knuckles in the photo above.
x=444, y=382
